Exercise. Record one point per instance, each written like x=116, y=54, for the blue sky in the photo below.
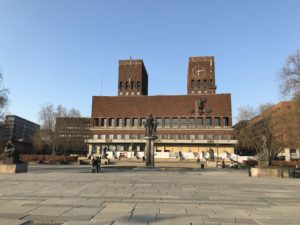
x=56, y=51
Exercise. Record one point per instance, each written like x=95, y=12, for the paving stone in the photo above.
x=49, y=211
x=209, y=196
x=88, y=223
x=13, y=222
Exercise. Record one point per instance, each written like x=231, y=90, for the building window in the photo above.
x=209, y=137
x=211, y=83
x=103, y=136
x=127, y=122
x=111, y=122
x=167, y=122
x=183, y=136
x=142, y=121
x=191, y=122
x=200, y=121
x=119, y=136
x=217, y=121
x=226, y=121
x=175, y=136
x=174, y=122
x=198, y=83
x=159, y=122
x=135, y=122
x=164, y=136
x=205, y=84
x=192, y=83
x=111, y=136
x=138, y=85
x=183, y=122
x=103, y=122
x=95, y=136
x=134, y=136
x=208, y=121
x=227, y=137
x=121, y=85
x=192, y=136
x=96, y=122
x=200, y=137
x=218, y=136
x=132, y=84
x=126, y=136
x=119, y=122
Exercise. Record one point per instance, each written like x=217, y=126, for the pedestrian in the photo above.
x=223, y=163
x=98, y=163
x=94, y=163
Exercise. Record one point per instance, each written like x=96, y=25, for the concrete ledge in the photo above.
x=14, y=168
x=265, y=172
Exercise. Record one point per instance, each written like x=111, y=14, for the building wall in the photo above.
x=199, y=121
x=23, y=130
x=71, y=134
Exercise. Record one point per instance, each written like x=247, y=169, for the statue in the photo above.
x=263, y=156
x=11, y=154
x=200, y=106
x=150, y=126
x=150, y=135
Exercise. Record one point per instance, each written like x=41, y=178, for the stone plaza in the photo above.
x=72, y=195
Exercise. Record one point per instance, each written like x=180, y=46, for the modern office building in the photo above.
x=71, y=134
x=199, y=122
x=23, y=130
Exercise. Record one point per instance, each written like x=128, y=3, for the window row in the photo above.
x=205, y=83
x=129, y=85
x=166, y=136
x=166, y=122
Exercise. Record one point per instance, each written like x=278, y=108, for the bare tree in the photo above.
x=264, y=107
x=289, y=76
x=74, y=113
x=3, y=97
x=47, y=116
x=251, y=135
x=246, y=113
x=61, y=111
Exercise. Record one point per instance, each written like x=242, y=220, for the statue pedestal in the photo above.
x=13, y=168
x=150, y=150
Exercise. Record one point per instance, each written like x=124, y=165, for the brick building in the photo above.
x=282, y=120
x=198, y=122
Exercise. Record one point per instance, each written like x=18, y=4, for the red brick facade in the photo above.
x=197, y=119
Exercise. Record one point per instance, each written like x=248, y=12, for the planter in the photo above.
x=265, y=172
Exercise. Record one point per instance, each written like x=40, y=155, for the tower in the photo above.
x=201, y=75
x=133, y=78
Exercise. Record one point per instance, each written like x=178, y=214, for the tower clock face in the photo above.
x=198, y=71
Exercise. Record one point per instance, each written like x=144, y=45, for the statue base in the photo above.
x=150, y=150
x=14, y=168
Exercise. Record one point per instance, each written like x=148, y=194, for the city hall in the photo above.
x=194, y=124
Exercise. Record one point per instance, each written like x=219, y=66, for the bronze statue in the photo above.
x=200, y=106
x=11, y=154
x=150, y=126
